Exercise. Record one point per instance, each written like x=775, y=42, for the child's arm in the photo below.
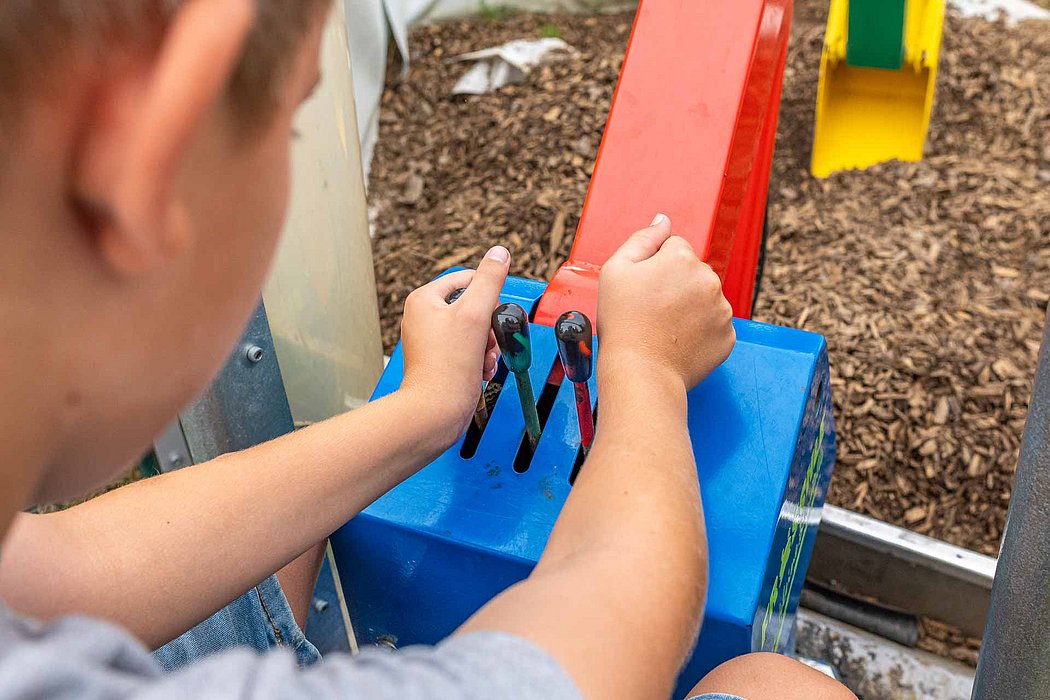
x=618, y=593
x=160, y=555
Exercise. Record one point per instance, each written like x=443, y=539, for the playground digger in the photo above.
x=144, y=167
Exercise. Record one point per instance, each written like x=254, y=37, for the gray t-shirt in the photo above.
x=79, y=657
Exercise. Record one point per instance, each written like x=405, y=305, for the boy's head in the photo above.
x=144, y=158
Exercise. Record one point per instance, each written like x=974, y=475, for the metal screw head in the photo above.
x=254, y=353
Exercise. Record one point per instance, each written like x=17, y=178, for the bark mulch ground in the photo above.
x=930, y=280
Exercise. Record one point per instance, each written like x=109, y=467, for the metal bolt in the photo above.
x=386, y=641
x=254, y=353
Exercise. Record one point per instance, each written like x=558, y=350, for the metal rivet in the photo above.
x=254, y=353
x=175, y=459
x=320, y=605
x=386, y=641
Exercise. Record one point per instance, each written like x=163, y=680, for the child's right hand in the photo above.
x=660, y=307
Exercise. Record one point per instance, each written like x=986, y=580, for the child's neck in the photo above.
x=30, y=437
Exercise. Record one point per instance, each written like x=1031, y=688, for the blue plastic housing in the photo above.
x=424, y=557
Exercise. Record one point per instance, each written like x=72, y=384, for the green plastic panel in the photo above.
x=876, y=33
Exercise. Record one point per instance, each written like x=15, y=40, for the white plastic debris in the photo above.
x=506, y=64
x=1012, y=10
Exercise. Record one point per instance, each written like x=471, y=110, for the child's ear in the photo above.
x=142, y=123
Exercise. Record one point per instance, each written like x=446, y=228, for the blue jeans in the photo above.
x=260, y=619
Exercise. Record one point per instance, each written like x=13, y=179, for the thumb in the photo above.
x=643, y=244
x=483, y=291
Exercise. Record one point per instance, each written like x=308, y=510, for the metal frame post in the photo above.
x=247, y=403
x=1015, y=654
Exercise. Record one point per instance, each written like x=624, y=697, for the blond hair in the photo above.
x=35, y=34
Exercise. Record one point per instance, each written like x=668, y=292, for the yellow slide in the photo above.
x=877, y=75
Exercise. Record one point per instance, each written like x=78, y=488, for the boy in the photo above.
x=143, y=179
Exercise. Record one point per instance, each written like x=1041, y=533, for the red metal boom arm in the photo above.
x=690, y=134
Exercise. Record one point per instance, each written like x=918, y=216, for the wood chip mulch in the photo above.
x=930, y=280
x=947, y=641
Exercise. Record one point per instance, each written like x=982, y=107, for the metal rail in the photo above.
x=1015, y=655
x=867, y=558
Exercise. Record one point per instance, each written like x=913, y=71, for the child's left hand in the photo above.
x=449, y=348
